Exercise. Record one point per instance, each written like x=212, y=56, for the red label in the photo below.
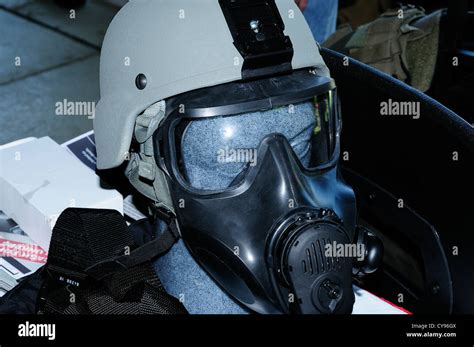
x=23, y=251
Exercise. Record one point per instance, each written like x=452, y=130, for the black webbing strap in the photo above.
x=94, y=242
x=94, y=258
x=147, y=252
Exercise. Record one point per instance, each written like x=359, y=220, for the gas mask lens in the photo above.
x=215, y=153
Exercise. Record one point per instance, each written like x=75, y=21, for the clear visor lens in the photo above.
x=214, y=153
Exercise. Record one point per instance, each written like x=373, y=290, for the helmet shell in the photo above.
x=179, y=45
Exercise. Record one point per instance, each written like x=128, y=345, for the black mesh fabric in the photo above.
x=144, y=295
x=85, y=237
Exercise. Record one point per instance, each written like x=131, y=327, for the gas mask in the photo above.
x=252, y=171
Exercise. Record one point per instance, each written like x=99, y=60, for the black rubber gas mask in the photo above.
x=252, y=169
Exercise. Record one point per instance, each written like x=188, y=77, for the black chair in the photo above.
x=398, y=157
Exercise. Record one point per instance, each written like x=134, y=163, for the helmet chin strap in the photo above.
x=142, y=171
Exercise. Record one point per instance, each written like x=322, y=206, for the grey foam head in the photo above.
x=216, y=150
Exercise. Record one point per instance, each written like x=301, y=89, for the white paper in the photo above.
x=368, y=303
x=40, y=179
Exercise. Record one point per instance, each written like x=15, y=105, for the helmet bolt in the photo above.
x=140, y=81
x=255, y=25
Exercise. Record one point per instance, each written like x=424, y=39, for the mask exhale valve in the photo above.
x=314, y=280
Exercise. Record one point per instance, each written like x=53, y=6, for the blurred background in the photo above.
x=46, y=57
x=49, y=52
